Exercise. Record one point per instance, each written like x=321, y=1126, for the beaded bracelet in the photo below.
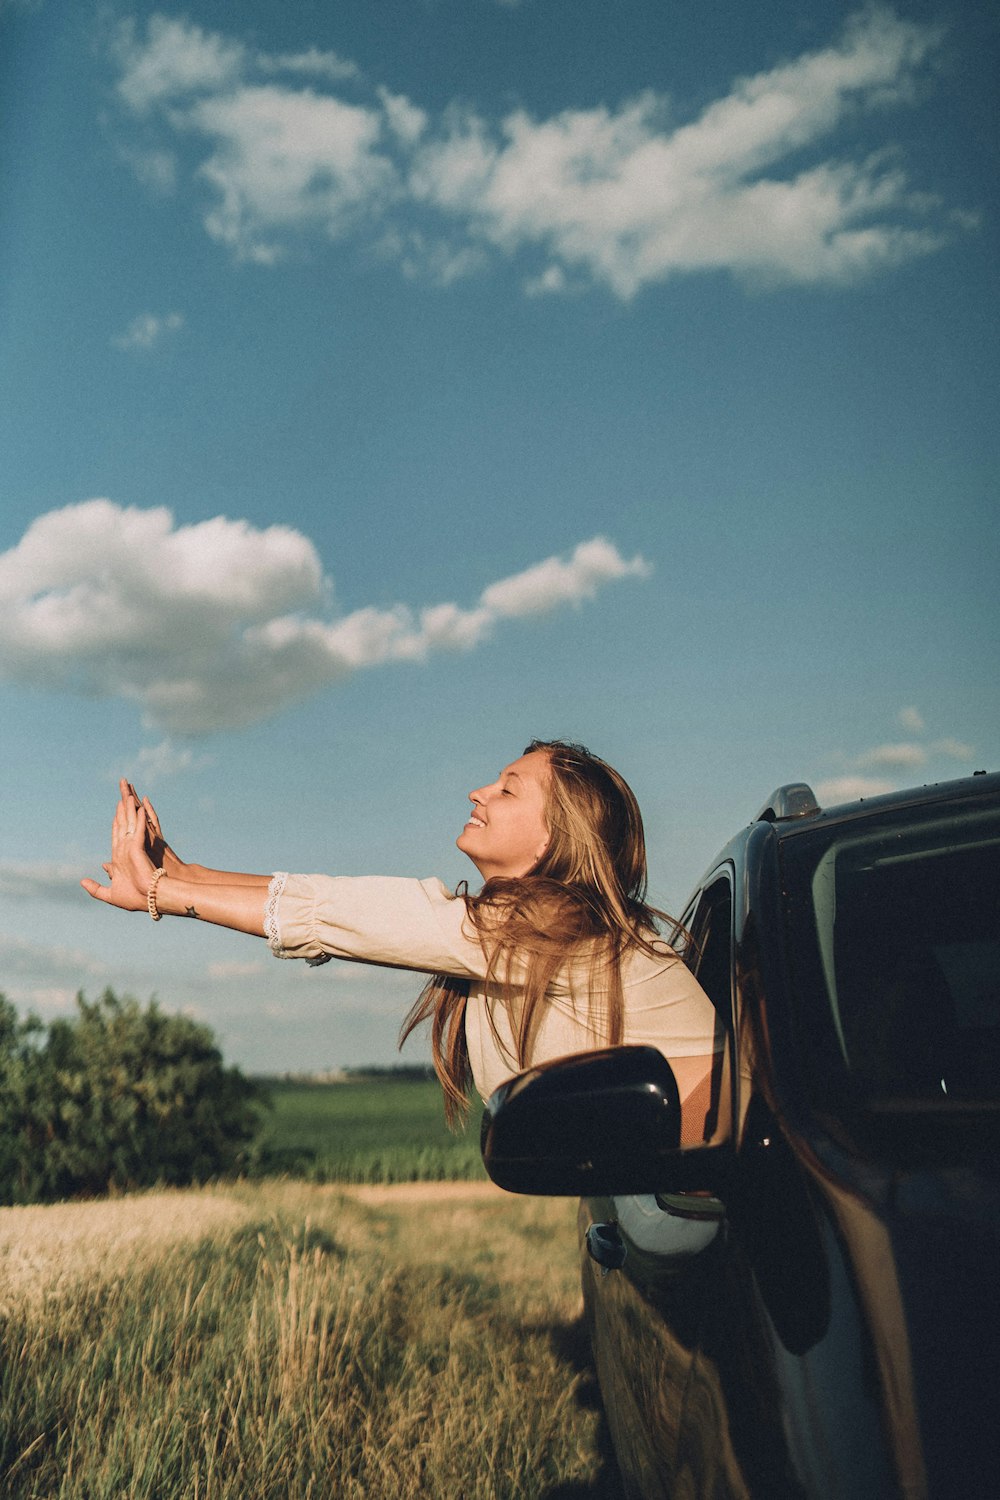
x=151, y=894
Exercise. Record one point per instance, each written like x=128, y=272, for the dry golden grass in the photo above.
x=292, y=1341
x=46, y=1250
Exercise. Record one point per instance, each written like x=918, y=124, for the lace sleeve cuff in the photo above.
x=271, y=929
x=272, y=925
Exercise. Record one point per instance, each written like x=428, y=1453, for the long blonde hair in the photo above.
x=585, y=899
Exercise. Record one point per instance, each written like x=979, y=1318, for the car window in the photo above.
x=895, y=924
x=709, y=955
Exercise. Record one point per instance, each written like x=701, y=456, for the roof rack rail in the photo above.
x=796, y=800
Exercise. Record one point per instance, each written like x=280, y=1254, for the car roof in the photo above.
x=793, y=809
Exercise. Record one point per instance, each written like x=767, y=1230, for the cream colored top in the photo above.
x=421, y=925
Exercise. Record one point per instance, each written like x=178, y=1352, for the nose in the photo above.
x=476, y=797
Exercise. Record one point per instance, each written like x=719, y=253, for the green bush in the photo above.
x=119, y=1096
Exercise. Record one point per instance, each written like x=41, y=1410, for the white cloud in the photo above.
x=39, y=882
x=236, y=969
x=622, y=196
x=46, y=978
x=217, y=625
x=48, y=964
x=155, y=763
x=288, y=161
x=954, y=749
x=901, y=755
x=849, y=788
x=312, y=61
x=175, y=58
x=147, y=329
x=555, y=582
x=405, y=120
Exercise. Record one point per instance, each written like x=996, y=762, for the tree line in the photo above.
x=117, y=1096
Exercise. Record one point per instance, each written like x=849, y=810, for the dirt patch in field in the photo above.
x=45, y=1249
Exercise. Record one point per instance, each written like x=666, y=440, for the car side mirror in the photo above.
x=594, y=1124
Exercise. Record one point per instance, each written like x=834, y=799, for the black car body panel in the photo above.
x=826, y=1322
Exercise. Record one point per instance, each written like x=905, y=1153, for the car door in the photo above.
x=646, y=1316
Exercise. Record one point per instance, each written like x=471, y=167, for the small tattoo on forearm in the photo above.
x=189, y=911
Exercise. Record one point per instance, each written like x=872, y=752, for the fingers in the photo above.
x=129, y=816
x=99, y=892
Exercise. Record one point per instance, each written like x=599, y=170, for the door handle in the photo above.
x=606, y=1246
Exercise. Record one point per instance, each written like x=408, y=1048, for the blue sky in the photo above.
x=383, y=386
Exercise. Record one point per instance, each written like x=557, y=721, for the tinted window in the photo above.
x=709, y=952
x=709, y=955
x=895, y=928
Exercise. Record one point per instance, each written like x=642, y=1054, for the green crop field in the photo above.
x=381, y=1128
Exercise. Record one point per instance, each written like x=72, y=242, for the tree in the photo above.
x=119, y=1096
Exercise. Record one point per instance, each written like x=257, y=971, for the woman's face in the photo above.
x=507, y=833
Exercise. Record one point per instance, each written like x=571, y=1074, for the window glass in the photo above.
x=713, y=962
x=895, y=924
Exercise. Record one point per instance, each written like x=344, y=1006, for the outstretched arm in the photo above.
x=224, y=898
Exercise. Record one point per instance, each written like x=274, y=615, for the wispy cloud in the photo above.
x=46, y=978
x=898, y=756
x=902, y=758
x=236, y=969
x=146, y=330
x=218, y=625
x=838, y=789
x=156, y=763
x=953, y=749
x=39, y=882
x=49, y=964
x=621, y=196
x=312, y=63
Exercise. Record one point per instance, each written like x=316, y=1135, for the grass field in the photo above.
x=291, y=1341
x=388, y=1128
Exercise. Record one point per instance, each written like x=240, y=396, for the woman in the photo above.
x=558, y=953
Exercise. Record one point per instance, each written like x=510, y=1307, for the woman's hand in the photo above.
x=157, y=847
x=130, y=868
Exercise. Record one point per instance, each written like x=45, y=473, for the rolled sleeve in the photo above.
x=400, y=923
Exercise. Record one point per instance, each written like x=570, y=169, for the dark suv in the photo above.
x=812, y=1306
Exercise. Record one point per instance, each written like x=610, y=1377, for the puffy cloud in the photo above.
x=287, y=161
x=147, y=329
x=912, y=719
x=621, y=195
x=175, y=58
x=555, y=582
x=217, y=625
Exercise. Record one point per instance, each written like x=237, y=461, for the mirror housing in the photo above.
x=586, y=1126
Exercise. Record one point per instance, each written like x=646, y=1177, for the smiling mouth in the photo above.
x=475, y=823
